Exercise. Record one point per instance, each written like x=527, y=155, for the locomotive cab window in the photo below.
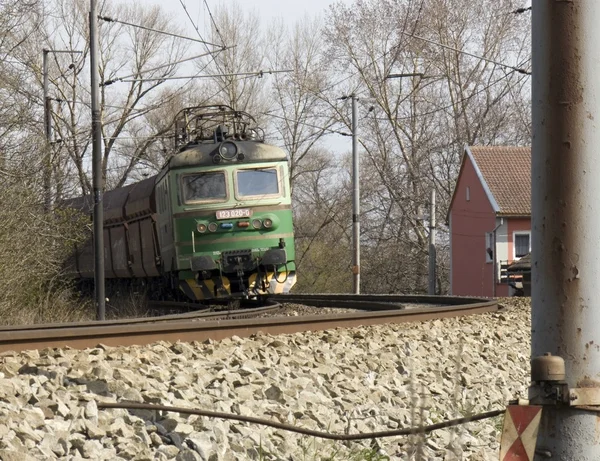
x=204, y=187
x=258, y=183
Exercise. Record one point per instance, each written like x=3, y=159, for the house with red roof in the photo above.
x=489, y=219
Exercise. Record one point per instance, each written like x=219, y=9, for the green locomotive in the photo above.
x=216, y=222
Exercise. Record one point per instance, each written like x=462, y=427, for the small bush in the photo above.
x=33, y=248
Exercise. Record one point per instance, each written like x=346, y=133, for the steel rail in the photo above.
x=197, y=315
x=186, y=328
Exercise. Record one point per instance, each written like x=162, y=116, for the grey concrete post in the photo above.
x=98, y=179
x=566, y=213
x=47, y=168
x=355, y=200
x=432, y=249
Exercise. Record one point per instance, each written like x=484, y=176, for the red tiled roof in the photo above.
x=507, y=172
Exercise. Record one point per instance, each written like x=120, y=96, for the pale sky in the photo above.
x=266, y=9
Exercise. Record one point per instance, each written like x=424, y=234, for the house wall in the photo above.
x=469, y=222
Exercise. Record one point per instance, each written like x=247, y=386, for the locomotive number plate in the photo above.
x=232, y=214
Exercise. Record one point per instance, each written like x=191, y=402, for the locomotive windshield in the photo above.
x=259, y=182
x=202, y=187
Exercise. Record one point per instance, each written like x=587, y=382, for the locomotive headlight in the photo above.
x=256, y=223
x=201, y=228
x=271, y=222
x=212, y=227
x=228, y=150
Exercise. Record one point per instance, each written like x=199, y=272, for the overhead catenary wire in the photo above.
x=109, y=19
x=329, y=130
x=214, y=23
x=120, y=79
x=456, y=50
x=259, y=74
x=194, y=24
x=450, y=106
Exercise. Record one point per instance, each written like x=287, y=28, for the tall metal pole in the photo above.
x=355, y=199
x=47, y=167
x=432, y=249
x=566, y=213
x=98, y=180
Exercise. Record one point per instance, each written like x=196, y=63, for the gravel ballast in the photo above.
x=340, y=381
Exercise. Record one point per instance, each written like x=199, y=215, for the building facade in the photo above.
x=489, y=219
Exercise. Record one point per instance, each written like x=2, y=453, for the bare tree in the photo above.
x=301, y=117
x=414, y=136
x=134, y=64
x=240, y=34
x=18, y=21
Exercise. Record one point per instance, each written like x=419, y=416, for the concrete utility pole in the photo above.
x=355, y=199
x=48, y=132
x=98, y=180
x=432, y=250
x=566, y=216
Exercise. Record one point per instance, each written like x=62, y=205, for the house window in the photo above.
x=522, y=243
x=489, y=247
x=468, y=194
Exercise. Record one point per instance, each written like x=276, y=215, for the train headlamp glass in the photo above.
x=201, y=228
x=256, y=223
x=212, y=227
x=268, y=223
x=228, y=150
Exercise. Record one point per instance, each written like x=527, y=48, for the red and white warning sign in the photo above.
x=519, y=434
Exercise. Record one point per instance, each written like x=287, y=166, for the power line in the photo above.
x=200, y=35
x=308, y=124
x=214, y=23
x=120, y=79
x=194, y=24
x=258, y=74
x=440, y=109
x=516, y=69
x=108, y=19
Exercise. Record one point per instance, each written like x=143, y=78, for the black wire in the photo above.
x=307, y=124
x=214, y=23
x=299, y=430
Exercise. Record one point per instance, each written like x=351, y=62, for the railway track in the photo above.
x=203, y=325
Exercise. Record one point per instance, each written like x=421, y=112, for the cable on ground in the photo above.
x=299, y=430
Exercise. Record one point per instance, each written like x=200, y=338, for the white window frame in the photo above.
x=280, y=183
x=208, y=200
x=514, y=242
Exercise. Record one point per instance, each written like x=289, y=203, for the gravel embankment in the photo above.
x=342, y=381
